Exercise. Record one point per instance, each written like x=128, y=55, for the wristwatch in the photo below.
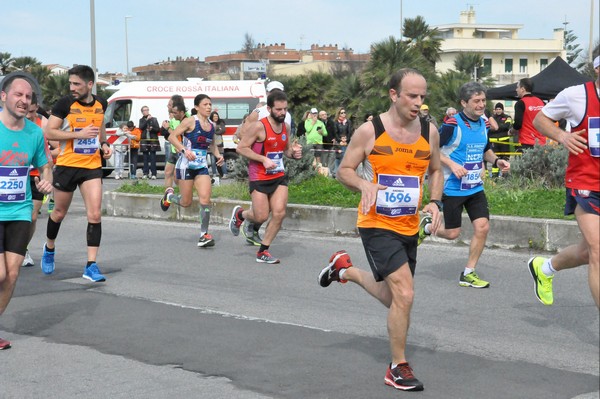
x=439, y=204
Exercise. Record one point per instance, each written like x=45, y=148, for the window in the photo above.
x=487, y=66
x=523, y=65
x=117, y=113
x=508, y=65
x=543, y=63
x=232, y=111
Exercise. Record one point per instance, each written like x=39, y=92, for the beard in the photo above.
x=278, y=119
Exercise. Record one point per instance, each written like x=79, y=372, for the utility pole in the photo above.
x=93, y=46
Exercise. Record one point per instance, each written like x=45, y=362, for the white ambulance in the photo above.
x=232, y=99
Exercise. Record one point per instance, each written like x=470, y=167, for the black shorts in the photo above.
x=475, y=204
x=35, y=194
x=67, y=178
x=387, y=251
x=14, y=236
x=172, y=157
x=268, y=186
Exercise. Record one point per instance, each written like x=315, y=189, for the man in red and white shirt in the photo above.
x=580, y=106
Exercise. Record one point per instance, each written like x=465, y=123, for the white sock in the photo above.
x=426, y=228
x=394, y=365
x=468, y=270
x=547, y=268
x=341, y=273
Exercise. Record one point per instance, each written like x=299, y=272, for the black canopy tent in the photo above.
x=546, y=84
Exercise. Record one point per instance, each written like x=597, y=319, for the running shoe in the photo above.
x=422, y=234
x=153, y=177
x=542, y=284
x=338, y=261
x=472, y=280
x=265, y=257
x=50, y=205
x=47, y=261
x=206, y=241
x=235, y=222
x=27, y=261
x=252, y=236
x=4, y=344
x=164, y=202
x=402, y=377
x=92, y=273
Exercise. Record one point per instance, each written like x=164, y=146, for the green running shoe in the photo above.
x=542, y=284
x=472, y=280
x=422, y=234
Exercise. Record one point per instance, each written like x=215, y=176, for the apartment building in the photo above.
x=506, y=57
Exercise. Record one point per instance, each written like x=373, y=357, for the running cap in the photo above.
x=274, y=85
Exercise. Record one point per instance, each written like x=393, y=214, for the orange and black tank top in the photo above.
x=400, y=167
x=80, y=153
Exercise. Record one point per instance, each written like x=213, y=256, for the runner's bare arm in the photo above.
x=53, y=131
x=358, y=149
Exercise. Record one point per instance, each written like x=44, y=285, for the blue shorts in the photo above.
x=190, y=174
x=588, y=200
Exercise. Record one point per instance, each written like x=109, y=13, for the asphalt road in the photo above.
x=176, y=321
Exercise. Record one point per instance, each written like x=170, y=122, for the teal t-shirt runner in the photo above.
x=18, y=150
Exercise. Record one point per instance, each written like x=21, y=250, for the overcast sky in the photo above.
x=58, y=32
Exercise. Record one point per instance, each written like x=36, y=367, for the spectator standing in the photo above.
x=134, y=148
x=504, y=122
x=343, y=125
x=526, y=109
x=328, y=154
x=450, y=112
x=121, y=149
x=149, y=144
x=426, y=116
x=315, y=130
x=580, y=106
x=301, y=131
x=219, y=131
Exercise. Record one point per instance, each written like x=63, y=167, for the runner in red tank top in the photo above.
x=580, y=106
x=264, y=143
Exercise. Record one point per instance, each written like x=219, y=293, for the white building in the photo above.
x=507, y=57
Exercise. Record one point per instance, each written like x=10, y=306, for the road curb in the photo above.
x=505, y=231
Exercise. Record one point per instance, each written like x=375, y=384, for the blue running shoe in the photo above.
x=92, y=273
x=47, y=261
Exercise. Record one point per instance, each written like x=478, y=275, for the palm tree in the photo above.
x=40, y=73
x=426, y=40
x=6, y=62
x=387, y=57
x=25, y=63
x=55, y=87
x=444, y=93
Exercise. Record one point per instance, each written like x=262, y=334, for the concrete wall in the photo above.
x=505, y=231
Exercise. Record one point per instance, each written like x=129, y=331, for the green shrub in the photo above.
x=541, y=166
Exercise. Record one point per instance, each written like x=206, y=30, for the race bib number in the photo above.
x=594, y=136
x=473, y=177
x=85, y=146
x=277, y=158
x=400, y=198
x=13, y=183
x=200, y=161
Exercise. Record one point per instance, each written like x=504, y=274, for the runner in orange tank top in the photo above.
x=77, y=122
x=399, y=149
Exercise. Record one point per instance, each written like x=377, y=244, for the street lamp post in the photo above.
x=93, y=42
x=126, y=50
